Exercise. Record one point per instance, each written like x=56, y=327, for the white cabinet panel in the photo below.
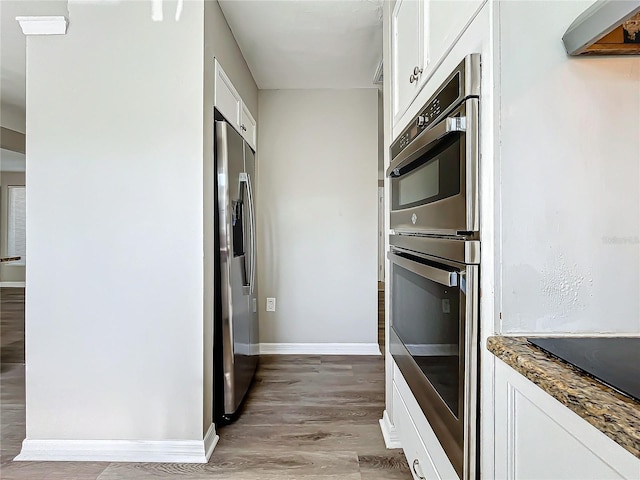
x=445, y=22
x=248, y=126
x=538, y=438
x=228, y=101
x=417, y=438
x=408, y=53
x=423, y=32
x=416, y=453
x=226, y=98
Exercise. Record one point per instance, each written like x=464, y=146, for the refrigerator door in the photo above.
x=236, y=244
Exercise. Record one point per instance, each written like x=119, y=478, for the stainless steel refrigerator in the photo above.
x=236, y=313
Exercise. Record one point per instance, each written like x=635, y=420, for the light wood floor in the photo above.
x=11, y=326
x=306, y=418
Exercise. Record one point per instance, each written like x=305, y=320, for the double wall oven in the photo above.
x=435, y=262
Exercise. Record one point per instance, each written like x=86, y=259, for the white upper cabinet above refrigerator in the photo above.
x=229, y=102
x=248, y=126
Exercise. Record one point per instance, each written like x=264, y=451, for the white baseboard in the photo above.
x=163, y=451
x=210, y=441
x=320, y=348
x=12, y=284
x=389, y=432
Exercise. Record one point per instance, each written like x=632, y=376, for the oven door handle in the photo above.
x=443, y=277
x=424, y=142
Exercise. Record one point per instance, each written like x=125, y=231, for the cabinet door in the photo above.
x=226, y=98
x=248, y=126
x=445, y=21
x=408, y=53
x=536, y=437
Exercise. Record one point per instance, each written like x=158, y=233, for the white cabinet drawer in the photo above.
x=418, y=458
x=433, y=461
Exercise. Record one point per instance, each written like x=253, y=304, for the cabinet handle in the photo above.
x=416, y=462
x=417, y=71
x=243, y=127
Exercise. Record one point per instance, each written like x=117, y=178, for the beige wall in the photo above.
x=114, y=227
x=317, y=215
x=219, y=43
x=8, y=272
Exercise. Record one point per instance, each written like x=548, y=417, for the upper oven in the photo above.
x=434, y=164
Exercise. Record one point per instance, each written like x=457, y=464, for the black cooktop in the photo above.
x=612, y=360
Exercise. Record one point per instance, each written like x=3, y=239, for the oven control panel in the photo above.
x=444, y=100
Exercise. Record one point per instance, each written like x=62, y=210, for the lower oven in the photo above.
x=434, y=336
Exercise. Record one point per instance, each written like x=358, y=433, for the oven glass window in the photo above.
x=426, y=318
x=433, y=177
x=420, y=184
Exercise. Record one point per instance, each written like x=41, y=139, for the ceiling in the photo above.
x=307, y=44
x=297, y=44
x=13, y=42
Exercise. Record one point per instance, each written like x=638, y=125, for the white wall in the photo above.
x=570, y=167
x=317, y=191
x=114, y=226
x=219, y=43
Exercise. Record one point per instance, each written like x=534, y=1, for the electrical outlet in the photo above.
x=271, y=304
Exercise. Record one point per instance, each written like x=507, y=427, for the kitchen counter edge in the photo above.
x=614, y=414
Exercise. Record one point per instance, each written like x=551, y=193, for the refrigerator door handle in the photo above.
x=244, y=177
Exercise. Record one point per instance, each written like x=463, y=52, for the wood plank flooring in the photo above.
x=306, y=418
x=11, y=326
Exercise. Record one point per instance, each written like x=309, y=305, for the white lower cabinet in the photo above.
x=426, y=457
x=536, y=437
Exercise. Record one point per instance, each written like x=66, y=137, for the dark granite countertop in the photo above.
x=614, y=414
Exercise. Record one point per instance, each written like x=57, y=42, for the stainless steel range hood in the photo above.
x=608, y=27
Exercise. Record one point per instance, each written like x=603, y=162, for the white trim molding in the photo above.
x=320, y=348
x=164, y=451
x=210, y=441
x=389, y=432
x=12, y=284
x=44, y=25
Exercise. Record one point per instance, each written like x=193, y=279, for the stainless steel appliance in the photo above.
x=434, y=336
x=434, y=161
x=435, y=262
x=236, y=313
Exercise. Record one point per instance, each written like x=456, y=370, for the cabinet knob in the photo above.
x=417, y=71
x=243, y=127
